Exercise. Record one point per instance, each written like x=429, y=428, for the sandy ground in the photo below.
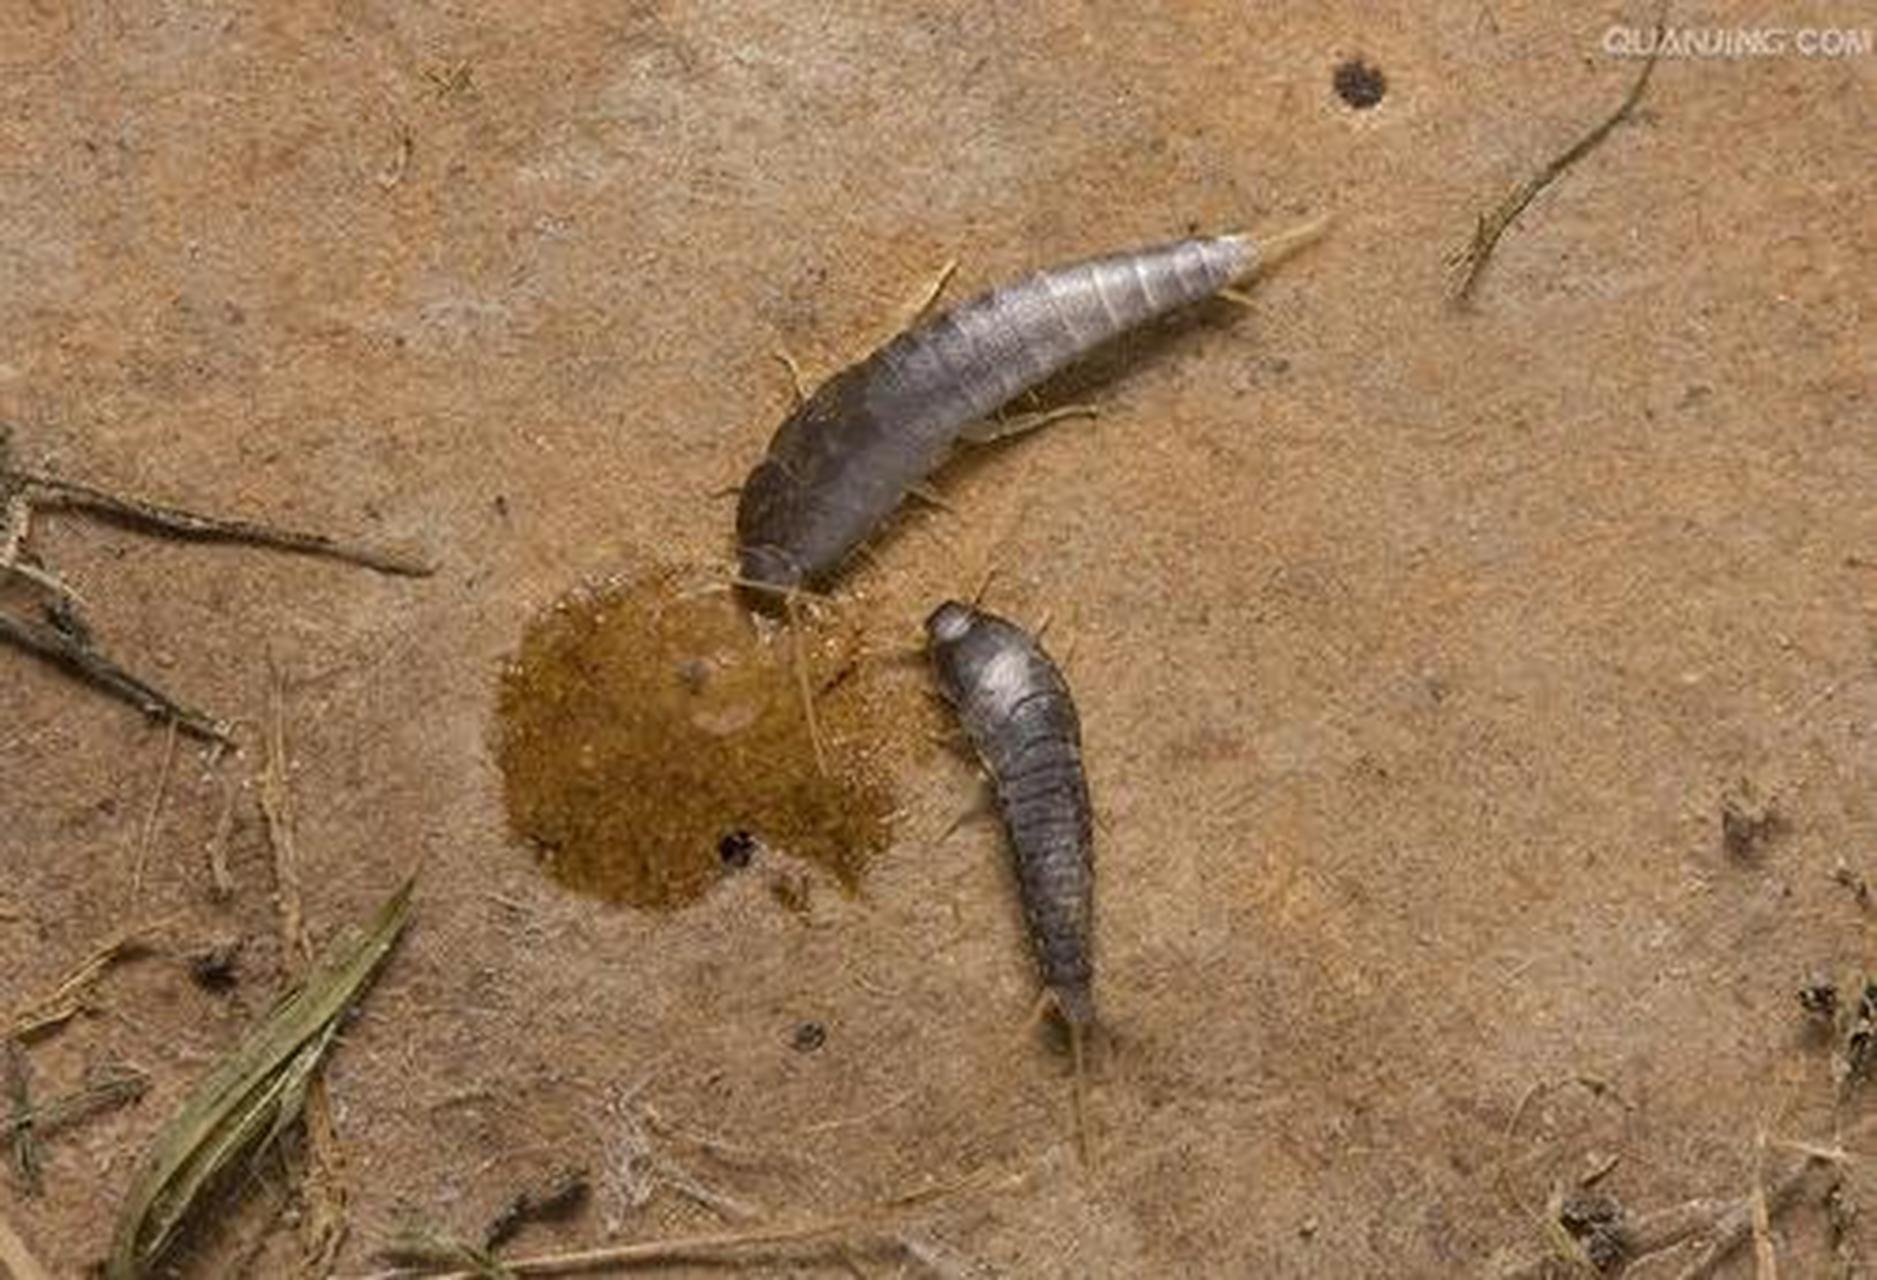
x=1418, y=651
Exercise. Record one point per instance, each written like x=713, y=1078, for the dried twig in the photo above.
x=323, y=1227
x=1472, y=260
x=51, y=492
x=90, y=665
x=22, y=493
x=221, y=883
x=877, y=1217
x=625, y=1255
x=1727, y=1223
x=150, y=818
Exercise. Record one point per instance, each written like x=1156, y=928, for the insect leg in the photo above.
x=981, y=807
x=921, y=307
x=796, y=380
x=989, y=429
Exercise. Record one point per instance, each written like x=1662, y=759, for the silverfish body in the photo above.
x=1015, y=708
x=842, y=462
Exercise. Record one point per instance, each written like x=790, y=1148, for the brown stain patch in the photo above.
x=641, y=726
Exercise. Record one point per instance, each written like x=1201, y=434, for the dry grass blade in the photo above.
x=253, y=1094
x=626, y=1255
x=323, y=1224
x=877, y=1217
x=147, y=834
x=65, y=1000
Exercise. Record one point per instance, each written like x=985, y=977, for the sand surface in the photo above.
x=1418, y=650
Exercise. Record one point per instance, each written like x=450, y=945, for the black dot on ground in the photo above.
x=1358, y=83
x=736, y=849
x=808, y=1037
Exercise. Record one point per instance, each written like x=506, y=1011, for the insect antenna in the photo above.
x=793, y=608
x=1273, y=249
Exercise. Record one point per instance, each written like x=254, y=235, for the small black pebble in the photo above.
x=1359, y=84
x=808, y=1037
x=737, y=849
x=216, y=967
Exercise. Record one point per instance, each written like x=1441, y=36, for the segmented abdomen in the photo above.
x=843, y=461
x=998, y=345
x=1043, y=794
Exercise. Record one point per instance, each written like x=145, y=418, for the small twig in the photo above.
x=874, y=1217
x=96, y=669
x=155, y=812
x=68, y=997
x=221, y=882
x=50, y=491
x=323, y=1228
x=1472, y=260
x=625, y=1255
x=277, y=814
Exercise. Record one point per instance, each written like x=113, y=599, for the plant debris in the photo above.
x=66, y=1000
x=560, y=1197
x=322, y=1225
x=251, y=1096
x=64, y=638
x=1471, y=261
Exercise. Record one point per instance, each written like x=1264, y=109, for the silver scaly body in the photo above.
x=841, y=463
